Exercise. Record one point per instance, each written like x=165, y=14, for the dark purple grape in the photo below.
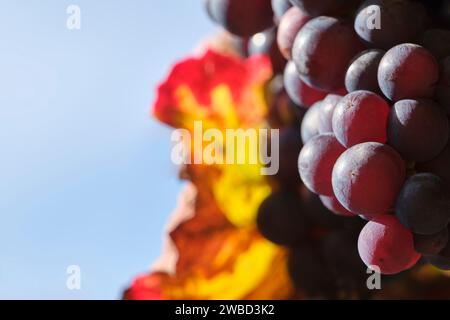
x=265, y=43
x=290, y=25
x=408, y=71
x=322, y=51
x=418, y=129
x=386, y=23
x=439, y=166
x=310, y=123
x=363, y=72
x=283, y=112
x=443, y=88
x=280, y=218
x=423, y=205
x=361, y=116
x=301, y=93
x=242, y=18
x=368, y=177
x=316, y=8
x=326, y=112
x=280, y=7
x=316, y=162
x=431, y=244
x=437, y=41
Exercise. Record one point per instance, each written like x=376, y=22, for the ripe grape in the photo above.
x=280, y=218
x=361, y=116
x=368, y=177
x=423, y=205
x=408, y=71
x=332, y=204
x=384, y=242
x=363, y=72
x=326, y=112
x=290, y=24
x=242, y=18
x=438, y=166
x=386, y=23
x=301, y=93
x=437, y=41
x=280, y=7
x=431, y=244
x=316, y=162
x=265, y=43
x=418, y=129
x=443, y=88
x=316, y=8
x=323, y=50
x=310, y=123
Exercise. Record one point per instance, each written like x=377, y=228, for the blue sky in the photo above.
x=85, y=173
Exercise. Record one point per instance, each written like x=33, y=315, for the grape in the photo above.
x=280, y=7
x=418, y=129
x=431, y=244
x=384, y=242
x=290, y=144
x=316, y=163
x=242, y=18
x=326, y=112
x=310, y=123
x=443, y=88
x=438, y=166
x=362, y=73
x=408, y=71
x=301, y=93
x=290, y=25
x=422, y=205
x=437, y=41
x=280, y=218
x=322, y=51
x=361, y=116
x=265, y=43
x=368, y=177
x=394, y=22
x=332, y=204
x=316, y=8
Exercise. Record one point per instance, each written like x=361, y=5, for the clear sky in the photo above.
x=85, y=173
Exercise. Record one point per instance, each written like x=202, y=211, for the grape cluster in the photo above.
x=362, y=95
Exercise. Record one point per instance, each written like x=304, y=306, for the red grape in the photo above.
x=384, y=242
x=316, y=162
x=367, y=178
x=361, y=116
x=322, y=51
